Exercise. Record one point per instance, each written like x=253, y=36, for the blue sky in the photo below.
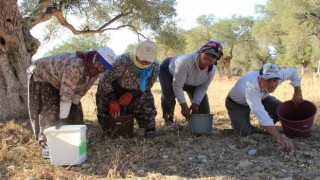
x=187, y=10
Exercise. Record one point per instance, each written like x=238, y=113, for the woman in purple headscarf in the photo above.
x=192, y=73
x=57, y=83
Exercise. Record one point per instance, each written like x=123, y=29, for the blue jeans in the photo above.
x=168, y=98
x=240, y=114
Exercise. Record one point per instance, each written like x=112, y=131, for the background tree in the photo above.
x=171, y=41
x=281, y=28
x=17, y=46
x=80, y=43
x=235, y=34
x=311, y=19
x=202, y=33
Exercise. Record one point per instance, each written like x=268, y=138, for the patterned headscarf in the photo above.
x=89, y=59
x=213, y=44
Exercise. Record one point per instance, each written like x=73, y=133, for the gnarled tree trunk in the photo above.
x=225, y=62
x=16, y=49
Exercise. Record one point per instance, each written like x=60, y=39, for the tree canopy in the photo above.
x=80, y=43
x=147, y=19
x=290, y=27
x=281, y=26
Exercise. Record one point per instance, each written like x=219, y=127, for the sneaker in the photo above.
x=45, y=151
x=150, y=134
x=169, y=126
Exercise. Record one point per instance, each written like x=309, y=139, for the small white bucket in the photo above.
x=67, y=145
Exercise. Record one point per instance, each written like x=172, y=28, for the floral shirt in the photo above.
x=65, y=72
x=125, y=76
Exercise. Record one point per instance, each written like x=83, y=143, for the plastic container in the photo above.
x=121, y=126
x=297, y=121
x=67, y=145
x=200, y=124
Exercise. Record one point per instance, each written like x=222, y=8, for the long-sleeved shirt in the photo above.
x=125, y=76
x=66, y=73
x=248, y=92
x=185, y=71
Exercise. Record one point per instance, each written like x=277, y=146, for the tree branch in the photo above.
x=123, y=26
x=113, y=20
x=45, y=11
x=40, y=14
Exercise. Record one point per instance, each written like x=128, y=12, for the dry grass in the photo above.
x=171, y=155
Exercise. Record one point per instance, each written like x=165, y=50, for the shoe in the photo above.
x=169, y=126
x=45, y=151
x=150, y=134
x=169, y=118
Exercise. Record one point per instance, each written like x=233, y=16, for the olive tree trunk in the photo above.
x=16, y=49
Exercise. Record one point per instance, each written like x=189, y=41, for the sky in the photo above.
x=188, y=11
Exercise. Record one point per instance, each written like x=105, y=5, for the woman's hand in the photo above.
x=185, y=110
x=114, y=109
x=194, y=108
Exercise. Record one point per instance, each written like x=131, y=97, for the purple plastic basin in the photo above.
x=297, y=121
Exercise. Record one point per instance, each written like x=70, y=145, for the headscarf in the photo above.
x=213, y=44
x=89, y=59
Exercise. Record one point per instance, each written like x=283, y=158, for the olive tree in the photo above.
x=147, y=18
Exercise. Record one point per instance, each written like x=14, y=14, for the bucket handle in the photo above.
x=298, y=129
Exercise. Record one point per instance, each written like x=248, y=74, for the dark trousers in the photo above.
x=168, y=98
x=240, y=114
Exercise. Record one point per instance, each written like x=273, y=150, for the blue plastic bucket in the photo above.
x=297, y=121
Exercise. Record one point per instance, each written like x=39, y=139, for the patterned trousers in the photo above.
x=43, y=105
x=143, y=108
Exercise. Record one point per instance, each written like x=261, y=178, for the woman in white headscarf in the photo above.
x=127, y=88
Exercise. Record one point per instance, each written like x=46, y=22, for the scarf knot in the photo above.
x=144, y=74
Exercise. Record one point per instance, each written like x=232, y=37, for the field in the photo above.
x=172, y=155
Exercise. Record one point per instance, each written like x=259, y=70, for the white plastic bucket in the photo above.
x=67, y=145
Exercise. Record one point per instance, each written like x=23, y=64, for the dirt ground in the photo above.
x=171, y=155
